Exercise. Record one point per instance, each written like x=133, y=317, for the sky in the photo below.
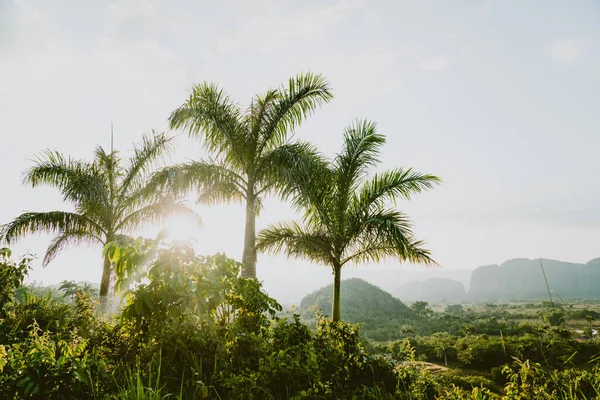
x=498, y=98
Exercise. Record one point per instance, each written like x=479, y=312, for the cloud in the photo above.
x=438, y=63
x=279, y=27
x=569, y=50
x=484, y=10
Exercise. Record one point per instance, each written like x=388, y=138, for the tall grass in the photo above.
x=138, y=388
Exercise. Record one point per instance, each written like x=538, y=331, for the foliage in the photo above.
x=531, y=381
x=111, y=197
x=71, y=289
x=192, y=327
x=42, y=368
x=250, y=147
x=12, y=275
x=376, y=310
x=347, y=218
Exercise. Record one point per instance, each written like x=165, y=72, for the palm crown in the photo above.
x=111, y=197
x=347, y=213
x=249, y=147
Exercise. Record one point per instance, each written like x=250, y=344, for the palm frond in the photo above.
x=179, y=180
x=282, y=167
x=159, y=184
x=77, y=181
x=258, y=107
x=50, y=222
x=311, y=189
x=379, y=252
x=157, y=212
x=360, y=151
x=391, y=185
x=389, y=232
x=295, y=241
x=217, y=182
x=109, y=165
x=362, y=145
x=107, y=161
x=67, y=239
x=302, y=95
x=153, y=148
x=210, y=110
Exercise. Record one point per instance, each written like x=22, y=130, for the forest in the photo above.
x=166, y=322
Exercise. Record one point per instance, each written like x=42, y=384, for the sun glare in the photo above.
x=182, y=229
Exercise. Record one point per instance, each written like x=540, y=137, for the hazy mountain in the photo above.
x=432, y=290
x=522, y=279
x=306, y=280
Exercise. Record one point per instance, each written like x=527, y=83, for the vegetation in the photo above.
x=111, y=198
x=377, y=311
x=347, y=219
x=201, y=327
x=194, y=328
x=250, y=147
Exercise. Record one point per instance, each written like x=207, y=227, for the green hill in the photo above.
x=361, y=302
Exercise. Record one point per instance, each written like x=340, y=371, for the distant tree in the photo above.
x=454, y=309
x=111, y=197
x=347, y=219
x=71, y=288
x=443, y=344
x=421, y=308
x=554, y=317
x=407, y=330
x=590, y=319
x=250, y=147
x=467, y=329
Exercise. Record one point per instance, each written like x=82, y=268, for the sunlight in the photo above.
x=182, y=229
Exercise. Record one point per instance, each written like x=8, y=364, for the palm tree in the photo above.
x=111, y=197
x=249, y=147
x=347, y=219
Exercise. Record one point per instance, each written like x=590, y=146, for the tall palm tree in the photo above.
x=111, y=197
x=248, y=146
x=347, y=213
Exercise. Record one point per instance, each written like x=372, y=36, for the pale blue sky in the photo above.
x=499, y=98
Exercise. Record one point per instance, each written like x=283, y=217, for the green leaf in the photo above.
x=29, y=388
x=139, y=306
x=116, y=254
x=148, y=302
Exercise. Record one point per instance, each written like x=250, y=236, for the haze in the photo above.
x=499, y=98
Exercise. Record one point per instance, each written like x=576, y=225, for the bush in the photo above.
x=195, y=329
x=40, y=367
x=468, y=382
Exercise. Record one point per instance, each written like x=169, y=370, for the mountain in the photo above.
x=360, y=302
x=522, y=279
x=307, y=277
x=432, y=290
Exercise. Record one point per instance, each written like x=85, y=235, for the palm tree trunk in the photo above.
x=249, y=255
x=337, y=284
x=105, y=283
